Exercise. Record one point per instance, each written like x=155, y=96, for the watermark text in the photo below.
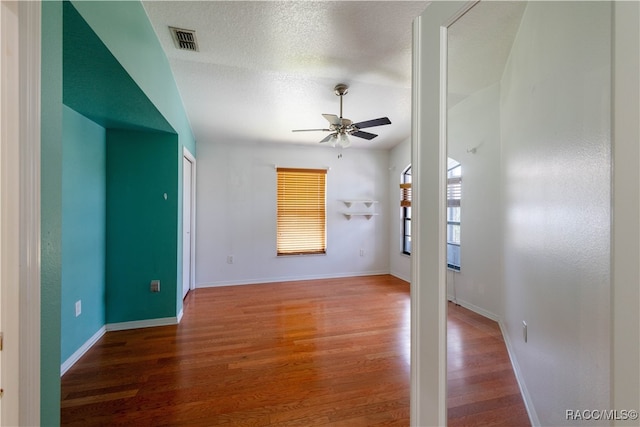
x=601, y=414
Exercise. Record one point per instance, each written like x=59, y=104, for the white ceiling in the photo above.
x=267, y=67
x=479, y=44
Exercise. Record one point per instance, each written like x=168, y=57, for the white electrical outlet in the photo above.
x=78, y=308
x=361, y=252
x=229, y=259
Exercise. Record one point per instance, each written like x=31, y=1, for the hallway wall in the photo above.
x=556, y=166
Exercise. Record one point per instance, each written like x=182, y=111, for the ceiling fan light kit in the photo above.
x=341, y=128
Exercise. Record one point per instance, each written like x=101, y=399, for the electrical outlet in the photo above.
x=155, y=286
x=524, y=330
x=78, y=308
x=361, y=252
x=229, y=259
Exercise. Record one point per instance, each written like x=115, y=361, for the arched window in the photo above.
x=405, y=205
x=454, y=196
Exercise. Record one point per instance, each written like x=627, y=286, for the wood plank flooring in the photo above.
x=322, y=352
x=481, y=387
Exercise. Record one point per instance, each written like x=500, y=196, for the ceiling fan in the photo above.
x=340, y=127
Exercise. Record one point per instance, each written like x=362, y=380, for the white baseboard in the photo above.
x=288, y=279
x=67, y=364
x=136, y=324
x=400, y=276
x=481, y=311
x=180, y=314
x=528, y=402
x=165, y=321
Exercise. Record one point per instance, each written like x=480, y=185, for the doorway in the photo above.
x=527, y=115
x=188, y=221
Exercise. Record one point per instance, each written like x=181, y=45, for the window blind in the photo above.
x=301, y=211
x=454, y=191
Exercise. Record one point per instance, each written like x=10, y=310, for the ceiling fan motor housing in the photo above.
x=341, y=89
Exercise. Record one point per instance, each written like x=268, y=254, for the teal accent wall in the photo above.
x=51, y=212
x=141, y=224
x=124, y=28
x=96, y=85
x=103, y=61
x=83, y=230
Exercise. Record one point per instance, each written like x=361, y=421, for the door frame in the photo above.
x=186, y=155
x=20, y=181
x=429, y=172
x=428, y=296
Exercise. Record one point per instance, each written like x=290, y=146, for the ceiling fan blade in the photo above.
x=328, y=137
x=371, y=123
x=365, y=135
x=332, y=118
x=310, y=130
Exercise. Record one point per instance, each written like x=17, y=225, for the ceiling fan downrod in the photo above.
x=340, y=90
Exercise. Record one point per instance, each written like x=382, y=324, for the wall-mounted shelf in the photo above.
x=368, y=215
x=367, y=203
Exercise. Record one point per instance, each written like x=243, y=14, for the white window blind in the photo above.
x=454, y=191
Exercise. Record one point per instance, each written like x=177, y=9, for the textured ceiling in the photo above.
x=479, y=45
x=267, y=67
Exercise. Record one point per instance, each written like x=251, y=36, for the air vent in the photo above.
x=184, y=39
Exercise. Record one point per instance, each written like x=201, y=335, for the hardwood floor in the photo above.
x=323, y=352
x=481, y=387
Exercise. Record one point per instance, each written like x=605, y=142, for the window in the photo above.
x=301, y=211
x=454, y=196
x=405, y=205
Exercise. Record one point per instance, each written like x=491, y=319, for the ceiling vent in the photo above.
x=184, y=39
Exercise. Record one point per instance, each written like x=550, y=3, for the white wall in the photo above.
x=474, y=141
x=236, y=213
x=556, y=154
x=399, y=159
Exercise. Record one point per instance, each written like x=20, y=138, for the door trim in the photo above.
x=9, y=213
x=30, y=353
x=24, y=187
x=429, y=169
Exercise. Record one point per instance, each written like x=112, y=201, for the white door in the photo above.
x=187, y=224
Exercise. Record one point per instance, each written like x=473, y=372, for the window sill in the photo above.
x=300, y=255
